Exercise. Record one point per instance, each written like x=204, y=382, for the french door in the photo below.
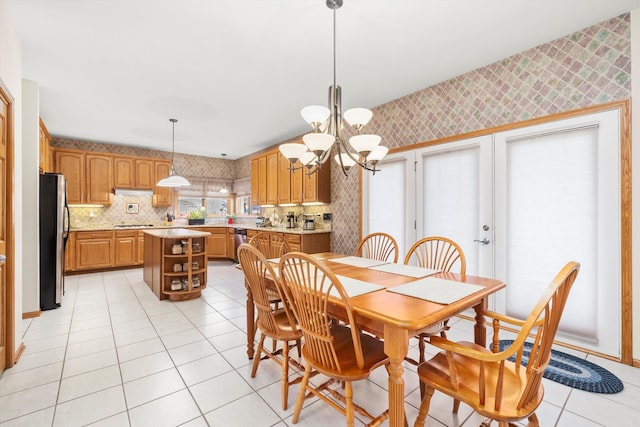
x=521, y=204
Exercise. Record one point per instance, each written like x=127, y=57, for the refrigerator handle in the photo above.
x=68, y=228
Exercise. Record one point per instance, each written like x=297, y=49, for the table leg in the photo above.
x=396, y=346
x=479, y=331
x=251, y=327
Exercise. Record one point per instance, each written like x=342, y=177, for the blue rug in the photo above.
x=574, y=372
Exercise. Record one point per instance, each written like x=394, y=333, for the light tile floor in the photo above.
x=113, y=355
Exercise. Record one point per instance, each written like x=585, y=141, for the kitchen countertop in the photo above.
x=110, y=227
x=167, y=233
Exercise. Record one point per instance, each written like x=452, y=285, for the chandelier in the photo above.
x=361, y=149
x=173, y=180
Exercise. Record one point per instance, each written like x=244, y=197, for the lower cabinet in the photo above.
x=94, y=250
x=231, y=244
x=126, y=247
x=310, y=243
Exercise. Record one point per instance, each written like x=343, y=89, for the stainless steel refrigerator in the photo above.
x=54, y=229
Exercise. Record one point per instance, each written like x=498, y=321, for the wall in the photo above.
x=11, y=76
x=30, y=183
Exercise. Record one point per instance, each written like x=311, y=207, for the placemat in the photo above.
x=357, y=261
x=437, y=290
x=406, y=270
x=355, y=287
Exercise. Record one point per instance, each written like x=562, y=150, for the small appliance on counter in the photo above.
x=291, y=220
x=260, y=222
x=308, y=223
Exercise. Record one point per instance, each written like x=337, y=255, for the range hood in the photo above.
x=129, y=192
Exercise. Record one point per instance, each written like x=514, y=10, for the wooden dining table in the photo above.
x=397, y=318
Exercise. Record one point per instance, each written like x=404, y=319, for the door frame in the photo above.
x=10, y=295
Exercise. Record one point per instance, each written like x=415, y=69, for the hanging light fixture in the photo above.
x=361, y=149
x=173, y=180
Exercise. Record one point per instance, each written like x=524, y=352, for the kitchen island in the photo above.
x=175, y=262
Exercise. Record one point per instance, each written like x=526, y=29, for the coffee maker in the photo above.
x=291, y=220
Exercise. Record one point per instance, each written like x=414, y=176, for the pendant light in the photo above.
x=361, y=149
x=173, y=180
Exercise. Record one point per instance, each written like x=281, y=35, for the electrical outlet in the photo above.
x=327, y=217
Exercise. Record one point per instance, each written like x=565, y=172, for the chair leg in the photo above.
x=348, y=395
x=456, y=406
x=256, y=357
x=299, y=347
x=424, y=407
x=301, y=394
x=285, y=375
x=533, y=420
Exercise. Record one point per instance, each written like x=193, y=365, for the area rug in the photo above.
x=574, y=372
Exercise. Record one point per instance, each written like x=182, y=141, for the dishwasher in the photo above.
x=240, y=237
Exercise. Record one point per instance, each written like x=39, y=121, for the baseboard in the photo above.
x=19, y=352
x=30, y=314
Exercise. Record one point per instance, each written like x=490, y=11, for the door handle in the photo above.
x=484, y=241
x=2, y=259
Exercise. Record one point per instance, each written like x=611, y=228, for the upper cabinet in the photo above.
x=161, y=195
x=132, y=173
x=92, y=176
x=71, y=165
x=99, y=179
x=272, y=182
x=44, y=160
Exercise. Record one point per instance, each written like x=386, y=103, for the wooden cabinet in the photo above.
x=216, y=242
x=144, y=174
x=272, y=172
x=255, y=178
x=129, y=172
x=94, y=250
x=231, y=244
x=310, y=243
x=317, y=186
x=284, y=180
x=273, y=183
x=140, y=247
x=70, y=252
x=125, y=245
x=71, y=165
x=44, y=149
x=89, y=176
x=123, y=172
x=99, y=179
x=176, y=267
x=161, y=195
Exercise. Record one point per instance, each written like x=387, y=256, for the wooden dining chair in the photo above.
x=437, y=253
x=277, y=324
x=342, y=352
x=272, y=246
x=378, y=246
x=489, y=381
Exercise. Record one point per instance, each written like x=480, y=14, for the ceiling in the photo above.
x=235, y=73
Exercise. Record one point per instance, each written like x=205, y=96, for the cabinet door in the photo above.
x=161, y=195
x=144, y=174
x=317, y=187
x=140, y=248
x=272, y=178
x=297, y=176
x=44, y=160
x=217, y=245
x=255, y=181
x=71, y=165
x=262, y=181
x=123, y=172
x=231, y=244
x=99, y=179
x=70, y=252
x=125, y=248
x=284, y=180
x=94, y=254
